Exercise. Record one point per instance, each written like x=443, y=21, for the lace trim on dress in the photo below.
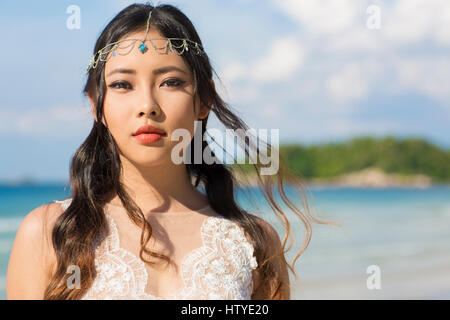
x=219, y=269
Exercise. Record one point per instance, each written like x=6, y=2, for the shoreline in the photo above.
x=367, y=178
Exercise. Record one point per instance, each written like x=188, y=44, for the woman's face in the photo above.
x=143, y=94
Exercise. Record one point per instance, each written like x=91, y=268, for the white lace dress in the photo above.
x=220, y=269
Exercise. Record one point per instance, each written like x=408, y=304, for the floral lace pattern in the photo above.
x=220, y=269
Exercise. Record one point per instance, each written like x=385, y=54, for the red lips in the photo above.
x=149, y=129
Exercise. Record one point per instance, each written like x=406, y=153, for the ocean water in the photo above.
x=403, y=233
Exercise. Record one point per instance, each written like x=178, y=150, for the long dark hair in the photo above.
x=95, y=171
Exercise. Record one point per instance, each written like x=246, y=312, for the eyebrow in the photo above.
x=155, y=72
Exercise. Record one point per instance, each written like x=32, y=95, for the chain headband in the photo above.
x=177, y=45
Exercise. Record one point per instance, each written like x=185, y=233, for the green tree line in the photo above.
x=402, y=156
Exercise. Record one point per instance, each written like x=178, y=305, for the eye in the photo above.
x=174, y=83
x=120, y=85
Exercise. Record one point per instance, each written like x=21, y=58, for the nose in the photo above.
x=151, y=111
x=149, y=106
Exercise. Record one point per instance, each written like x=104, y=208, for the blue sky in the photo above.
x=312, y=68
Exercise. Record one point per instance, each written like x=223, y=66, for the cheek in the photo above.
x=180, y=115
x=116, y=117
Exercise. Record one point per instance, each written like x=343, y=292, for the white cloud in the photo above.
x=283, y=59
x=354, y=40
x=349, y=84
x=341, y=25
x=402, y=22
x=233, y=71
x=428, y=75
x=411, y=21
x=55, y=121
x=322, y=16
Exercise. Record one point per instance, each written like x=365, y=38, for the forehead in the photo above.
x=129, y=56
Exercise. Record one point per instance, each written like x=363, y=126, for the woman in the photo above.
x=137, y=226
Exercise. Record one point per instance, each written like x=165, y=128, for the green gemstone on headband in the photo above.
x=143, y=48
x=114, y=54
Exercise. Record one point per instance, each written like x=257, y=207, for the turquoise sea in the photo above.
x=404, y=232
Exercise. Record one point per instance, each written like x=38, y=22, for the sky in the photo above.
x=317, y=70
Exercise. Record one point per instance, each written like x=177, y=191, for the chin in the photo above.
x=148, y=158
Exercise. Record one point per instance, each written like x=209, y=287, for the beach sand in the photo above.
x=427, y=282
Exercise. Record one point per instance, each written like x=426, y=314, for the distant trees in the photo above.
x=402, y=156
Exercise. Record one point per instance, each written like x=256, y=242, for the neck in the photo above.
x=160, y=188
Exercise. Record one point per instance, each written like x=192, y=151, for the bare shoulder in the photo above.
x=32, y=258
x=42, y=220
x=37, y=225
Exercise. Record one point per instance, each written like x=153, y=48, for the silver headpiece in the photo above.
x=161, y=45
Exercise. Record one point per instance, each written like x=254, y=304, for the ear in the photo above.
x=93, y=109
x=205, y=109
